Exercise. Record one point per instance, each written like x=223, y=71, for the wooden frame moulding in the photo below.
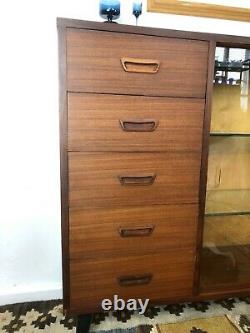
x=203, y=9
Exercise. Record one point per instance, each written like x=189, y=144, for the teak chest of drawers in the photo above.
x=134, y=119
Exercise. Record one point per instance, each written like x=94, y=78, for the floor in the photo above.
x=48, y=317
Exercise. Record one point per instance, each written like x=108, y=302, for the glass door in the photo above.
x=225, y=258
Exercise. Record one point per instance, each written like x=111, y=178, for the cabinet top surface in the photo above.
x=224, y=40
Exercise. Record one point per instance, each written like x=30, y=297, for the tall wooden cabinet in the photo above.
x=135, y=116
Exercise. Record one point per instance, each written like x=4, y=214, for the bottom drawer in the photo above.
x=157, y=277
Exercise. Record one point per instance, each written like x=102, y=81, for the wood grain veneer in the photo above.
x=93, y=179
x=63, y=163
x=204, y=163
x=93, y=281
x=201, y=8
x=174, y=227
x=94, y=123
x=94, y=64
x=219, y=39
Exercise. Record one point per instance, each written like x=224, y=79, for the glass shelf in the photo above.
x=227, y=202
x=229, y=134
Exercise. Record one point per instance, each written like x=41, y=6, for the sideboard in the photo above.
x=154, y=160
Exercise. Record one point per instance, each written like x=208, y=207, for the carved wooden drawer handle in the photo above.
x=142, y=180
x=136, y=231
x=135, y=65
x=135, y=280
x=136, y=125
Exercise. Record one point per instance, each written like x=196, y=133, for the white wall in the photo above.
x=30, y=254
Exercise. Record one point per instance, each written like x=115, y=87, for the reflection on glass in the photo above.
x=230, y=112
x=226, y=241
x=226, y=252
x=228, y=183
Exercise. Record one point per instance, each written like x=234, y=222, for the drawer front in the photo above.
x=131, y=231
x=106, y=62
x=125, y=179
x=133, y=123
x=155, y=276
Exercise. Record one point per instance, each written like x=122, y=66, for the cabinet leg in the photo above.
x=83, y=323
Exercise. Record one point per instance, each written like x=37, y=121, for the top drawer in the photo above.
x=106, y=62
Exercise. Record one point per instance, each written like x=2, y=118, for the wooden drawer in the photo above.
x=131, y=231
x=155, y=66
x=133, y=123
x=162, y=276
x=125, y=179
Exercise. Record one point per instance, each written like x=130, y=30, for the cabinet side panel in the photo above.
x=63, y=162
x=204, y=161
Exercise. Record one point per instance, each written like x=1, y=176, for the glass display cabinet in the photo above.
x=225, y=258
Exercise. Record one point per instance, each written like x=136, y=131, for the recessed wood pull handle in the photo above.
x=135, y=280
x=136, y=125
x=135, y=65
x=142, y=180
x=136, y=231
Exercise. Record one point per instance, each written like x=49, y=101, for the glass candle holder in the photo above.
x=137, y=9
x=110, y=9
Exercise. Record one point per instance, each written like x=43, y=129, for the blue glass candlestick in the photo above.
x=110, y=9
x=137, y=9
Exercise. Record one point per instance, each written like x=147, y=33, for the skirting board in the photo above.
x=20, y=296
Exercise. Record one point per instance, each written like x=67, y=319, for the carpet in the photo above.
x=48, y=317
x=203, y=325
